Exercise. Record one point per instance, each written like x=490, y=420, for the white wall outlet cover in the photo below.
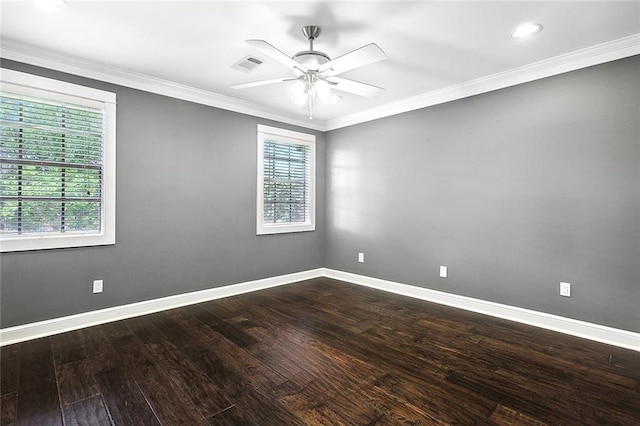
x=443, y=272
x=361, y=257
x=97, y=286
x=565, y=289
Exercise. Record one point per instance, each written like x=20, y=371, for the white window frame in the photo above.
x=45, y=88
x=291, y=137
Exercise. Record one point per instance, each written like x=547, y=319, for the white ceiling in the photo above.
x=434, y=49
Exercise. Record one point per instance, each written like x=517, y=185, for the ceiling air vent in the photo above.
x=247, y=64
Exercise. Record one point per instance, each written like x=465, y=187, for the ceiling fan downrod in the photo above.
x=311, y=32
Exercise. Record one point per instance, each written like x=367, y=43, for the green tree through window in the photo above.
x=51, y=172
x=286, y=181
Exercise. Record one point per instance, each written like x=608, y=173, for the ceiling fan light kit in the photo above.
x=315, y=73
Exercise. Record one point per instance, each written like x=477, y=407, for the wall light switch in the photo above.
x=361, y=257
x=565, y=289
x=443, y=272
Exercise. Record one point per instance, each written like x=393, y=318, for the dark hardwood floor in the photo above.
x=317, y=352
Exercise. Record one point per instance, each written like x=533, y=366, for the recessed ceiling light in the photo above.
x=52, y=4
x=526, y=30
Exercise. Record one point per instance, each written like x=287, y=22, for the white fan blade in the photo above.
x=268, y=49
x=262, y=83
x=357, y=58
x=355, y=87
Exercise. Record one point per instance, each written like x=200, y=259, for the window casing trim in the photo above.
x=296, y=138
x=35, y=86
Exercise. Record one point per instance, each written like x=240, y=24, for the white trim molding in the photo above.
x=583, y=58
x=599, y=333
x=590, y=56
x=28, y=54
x=305, y=143
x=20, y=85
x=53, y=326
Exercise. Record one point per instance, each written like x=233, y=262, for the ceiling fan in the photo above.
x=315, y=73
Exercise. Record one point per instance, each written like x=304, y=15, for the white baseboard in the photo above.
x=599, y=333
x=38, y=329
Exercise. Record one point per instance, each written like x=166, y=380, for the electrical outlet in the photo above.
x=361, y=257
x=443, y=272
x=97, y=286
x=565, y=289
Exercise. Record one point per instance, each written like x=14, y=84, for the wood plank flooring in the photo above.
x=319, y=352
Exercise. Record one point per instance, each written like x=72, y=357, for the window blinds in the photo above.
x=287, y=180
x=51, y=166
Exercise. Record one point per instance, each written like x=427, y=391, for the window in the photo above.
x=286, y=181
x=57, y=164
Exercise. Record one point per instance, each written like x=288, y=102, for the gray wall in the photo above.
x=514, y=190
x=186, y=203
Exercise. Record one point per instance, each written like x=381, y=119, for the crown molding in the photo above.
x=583, y=58
x=590, y=56
x=45, y=58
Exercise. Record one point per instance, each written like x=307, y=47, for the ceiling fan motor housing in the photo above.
x=311, y=59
